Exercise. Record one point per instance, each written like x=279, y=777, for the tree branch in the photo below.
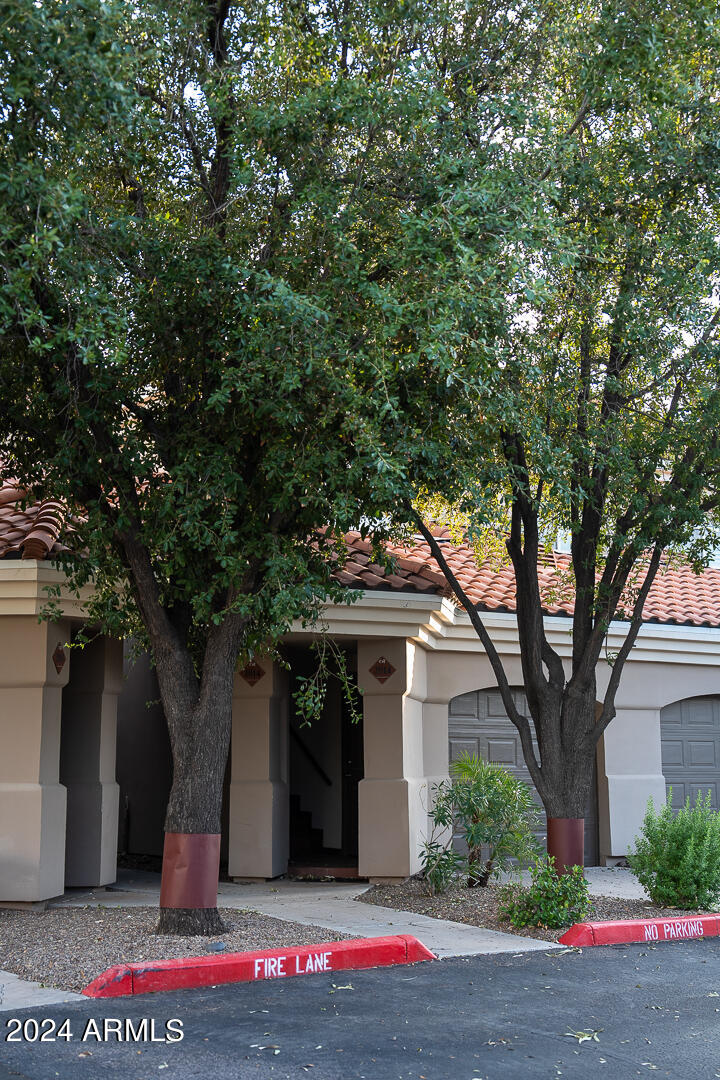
x=580, y=116
x=219, y=178
x=523, y=548
x=520, y=721
x=608, y=709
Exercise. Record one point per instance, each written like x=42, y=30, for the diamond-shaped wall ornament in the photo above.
x=252, y=673
x=382, y=669
x=59, y=658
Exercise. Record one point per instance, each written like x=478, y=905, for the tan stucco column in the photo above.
x=32, y=800
x=629, y=773
x=259, y=803
x=393, y=796
x=435, y=741
x=87, y=762
x=435, y=755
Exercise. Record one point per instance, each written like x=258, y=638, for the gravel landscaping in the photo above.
x=68, y=947
x=479, y=907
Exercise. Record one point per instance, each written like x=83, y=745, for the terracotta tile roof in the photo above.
x=677, y=596
x=29, y=530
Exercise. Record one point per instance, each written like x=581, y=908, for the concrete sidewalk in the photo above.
x=17, y=993
x=319, y=903
x=328, y=904
x=332, y=905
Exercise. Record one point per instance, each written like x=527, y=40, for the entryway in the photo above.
x=325, y=768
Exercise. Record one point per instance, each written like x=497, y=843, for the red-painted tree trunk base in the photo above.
x=190, y=870
x=124, y=979
x=650, y=930
x=566, y=842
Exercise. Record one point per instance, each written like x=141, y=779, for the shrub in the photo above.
x=551, y=900
x=493, y=812
x=677, y=855
x=496, y=815
x=441, y=865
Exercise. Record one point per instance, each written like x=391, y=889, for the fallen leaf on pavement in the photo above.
x=584, y=1036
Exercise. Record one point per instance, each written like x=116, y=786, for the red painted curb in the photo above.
x=124, y=979
x=613, y=933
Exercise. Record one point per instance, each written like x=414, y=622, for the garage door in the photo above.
x=478, y=724
x=690, y=733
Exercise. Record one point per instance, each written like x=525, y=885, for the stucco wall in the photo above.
x=32, y=800
x=629, y=753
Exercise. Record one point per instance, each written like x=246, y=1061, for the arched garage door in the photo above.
x=690, y=733
x=478, y=724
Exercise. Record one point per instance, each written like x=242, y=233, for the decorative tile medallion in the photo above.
x=252, y=673
x=59, y=658
x=382, y=669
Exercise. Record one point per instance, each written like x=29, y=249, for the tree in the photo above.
x=605, y=407
x=234, y=271
x=258, y=259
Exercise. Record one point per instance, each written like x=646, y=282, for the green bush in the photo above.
x=441, y=865
x=677, y=855
x=493, y=812
x=551, y=900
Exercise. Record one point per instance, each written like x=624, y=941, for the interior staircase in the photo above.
x=308, y=857
x=305, y=840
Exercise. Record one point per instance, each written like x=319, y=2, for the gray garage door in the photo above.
x=478, y=724
x=690, y=733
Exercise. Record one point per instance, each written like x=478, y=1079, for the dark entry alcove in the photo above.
x=325, y=768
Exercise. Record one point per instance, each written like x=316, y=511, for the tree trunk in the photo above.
x=200, y=740
x=566, y=842
x=479, y=879
x=566, y=778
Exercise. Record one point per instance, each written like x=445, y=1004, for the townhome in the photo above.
x=85, y=765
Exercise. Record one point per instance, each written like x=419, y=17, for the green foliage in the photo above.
x=597, y=401
x=493, y=813
x=238, y=280
x=274, y=267
x=441, y=865
x=677, y=855
x=277, y=275
x=233, y=281
x=551, y=900
x=330, y=664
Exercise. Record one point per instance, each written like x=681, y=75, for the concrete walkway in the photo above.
x=328, y=904
x=614, y=881
x=17, y=993
x=333, y=905
x=313, y=903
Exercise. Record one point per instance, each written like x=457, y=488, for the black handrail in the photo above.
x=311, y=757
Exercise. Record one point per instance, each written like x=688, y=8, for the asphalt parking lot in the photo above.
x=625, y=1011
